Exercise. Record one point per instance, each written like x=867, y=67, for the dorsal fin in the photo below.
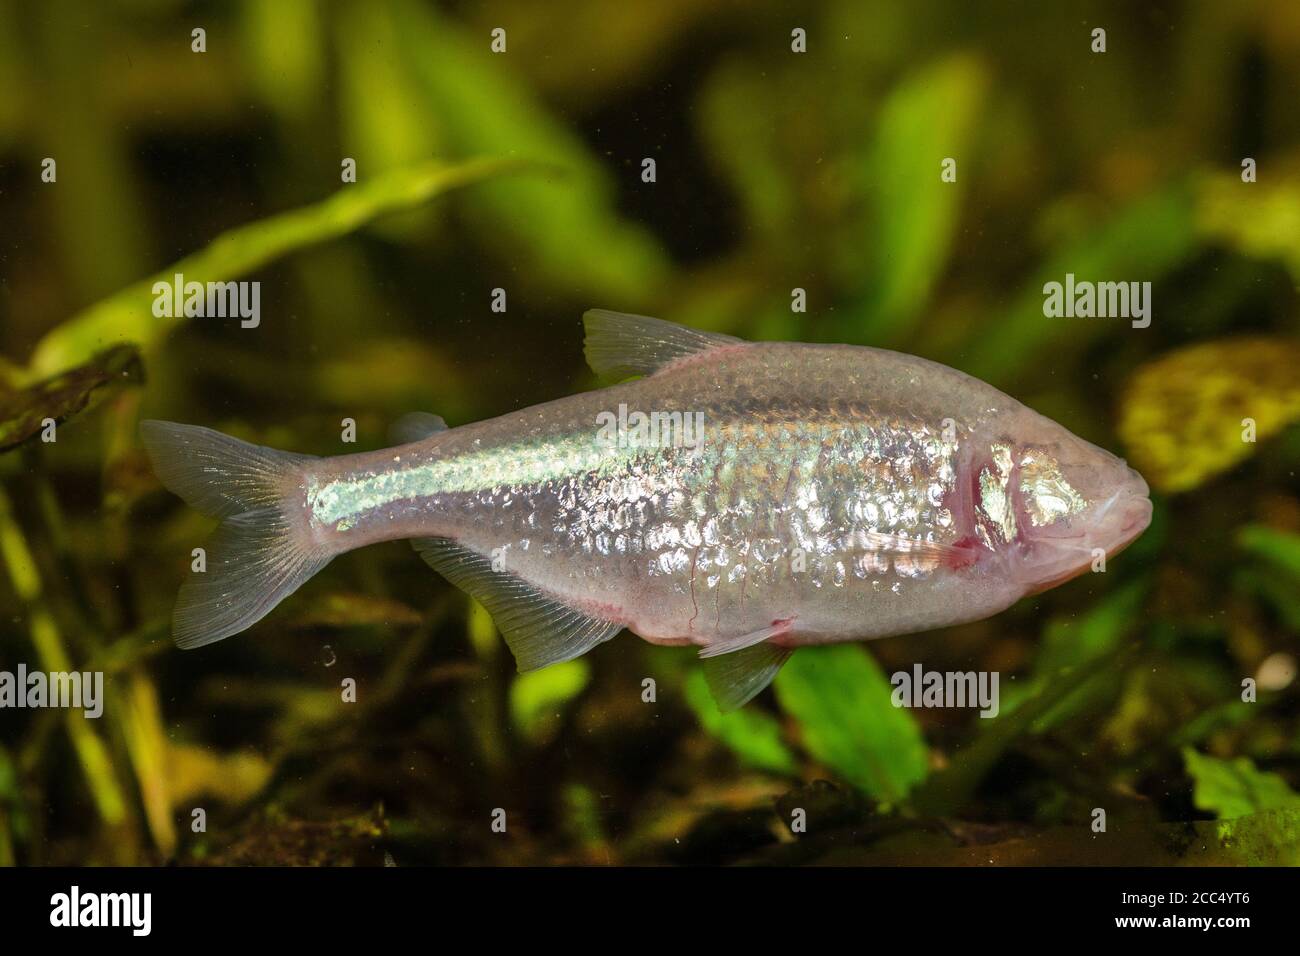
x=415, y=426
x=540, y=629
x=619, y=344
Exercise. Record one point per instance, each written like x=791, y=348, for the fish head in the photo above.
x=1048, y=503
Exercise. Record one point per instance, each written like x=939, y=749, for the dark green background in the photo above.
x=775, y=170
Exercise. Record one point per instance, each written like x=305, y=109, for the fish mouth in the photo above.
x=1128, y=511
x=1123, y=520
x=1138, y=517
x=1116, y=524
x=1134, y=511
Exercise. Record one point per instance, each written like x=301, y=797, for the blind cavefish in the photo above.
x=743, y=497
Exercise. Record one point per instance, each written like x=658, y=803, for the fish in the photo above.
x=744, y=498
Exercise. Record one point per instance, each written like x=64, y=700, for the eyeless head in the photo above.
x=1051, y=504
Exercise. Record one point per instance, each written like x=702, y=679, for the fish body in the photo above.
x=747, y=498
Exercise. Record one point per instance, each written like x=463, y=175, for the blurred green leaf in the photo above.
x=563, y=222
x=140, y=717
x=538, y=697
x=930, y=117
x=1070, y=642
x=11, y=77
x=128, y=315
x=1236, y=788
x=1260, y=219
x=1281, y=549
x=754, y=736
x=1142, y=241
x=748, y=145
x=386, y=118
x=582, y=817
x=481, y=631
x=848, y=721
x=285, y=53
x=97, y=212
x=947, y=791
x=1272, y=590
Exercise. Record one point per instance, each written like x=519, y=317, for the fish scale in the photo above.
x=797, y=494
x=788, y=504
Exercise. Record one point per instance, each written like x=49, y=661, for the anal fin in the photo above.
x=737, y=678
x=540, y=629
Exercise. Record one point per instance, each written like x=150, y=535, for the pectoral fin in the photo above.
x=738, y=642
x=540, y=629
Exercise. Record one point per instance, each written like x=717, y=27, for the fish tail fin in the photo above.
x=260, y=553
